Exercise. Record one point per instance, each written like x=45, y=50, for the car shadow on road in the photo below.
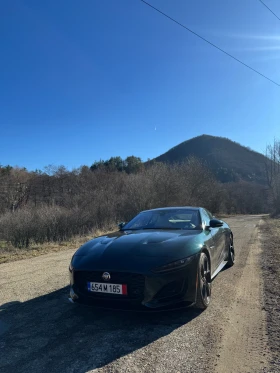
x=49, y=334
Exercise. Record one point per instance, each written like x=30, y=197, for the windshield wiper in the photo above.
x=170, y=228
x=142, y=229
x=135, y=229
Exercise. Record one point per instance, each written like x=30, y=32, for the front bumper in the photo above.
x=148, y=291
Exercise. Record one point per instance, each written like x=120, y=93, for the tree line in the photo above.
x=55, y=204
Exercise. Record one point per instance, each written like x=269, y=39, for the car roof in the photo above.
x=174, y=208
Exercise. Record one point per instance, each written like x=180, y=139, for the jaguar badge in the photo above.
x=106, y=276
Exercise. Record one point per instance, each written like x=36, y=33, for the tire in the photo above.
x=231, y=254
x=203, y=291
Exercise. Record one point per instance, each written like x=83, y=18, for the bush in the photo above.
x=45, y=224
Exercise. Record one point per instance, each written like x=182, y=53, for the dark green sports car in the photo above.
x=162, y=258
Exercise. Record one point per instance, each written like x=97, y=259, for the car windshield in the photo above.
x=166, y=219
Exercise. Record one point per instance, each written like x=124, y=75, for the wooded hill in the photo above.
x=228, y=160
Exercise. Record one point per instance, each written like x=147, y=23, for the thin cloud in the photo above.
x=267, y=58
x=255, y=37
x=256, y=43
x=272, y=48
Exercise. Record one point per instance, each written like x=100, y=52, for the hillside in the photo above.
x=228, y=160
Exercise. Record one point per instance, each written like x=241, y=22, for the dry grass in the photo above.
x=8, y=253
x=270, y=260
x=277, y=227
x=272, y=225
x=224, y=216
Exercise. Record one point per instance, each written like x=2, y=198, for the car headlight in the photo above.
x=174, y=265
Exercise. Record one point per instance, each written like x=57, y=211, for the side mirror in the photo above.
x=121, y=225
x=215, y=223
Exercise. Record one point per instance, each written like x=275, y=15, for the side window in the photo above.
x=204, y=217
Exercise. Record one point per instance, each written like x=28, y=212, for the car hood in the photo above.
x=131, y=249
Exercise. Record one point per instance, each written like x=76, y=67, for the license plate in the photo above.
x=100, y=287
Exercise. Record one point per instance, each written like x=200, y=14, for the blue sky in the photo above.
x=86, y=80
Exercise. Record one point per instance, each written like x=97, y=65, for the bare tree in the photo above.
x=272, y=168
x=55, y=204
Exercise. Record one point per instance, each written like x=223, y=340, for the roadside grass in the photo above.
x=272, y=225
x=8, y=253
x=270, y=264
x=224, y=216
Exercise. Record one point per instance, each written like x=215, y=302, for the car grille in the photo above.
x=135, y=284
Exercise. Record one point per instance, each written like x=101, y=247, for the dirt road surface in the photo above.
x=41, y=331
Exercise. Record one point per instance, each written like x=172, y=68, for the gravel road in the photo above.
x=41, y=331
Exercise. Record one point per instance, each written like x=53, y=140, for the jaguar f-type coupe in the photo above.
x=162, y=258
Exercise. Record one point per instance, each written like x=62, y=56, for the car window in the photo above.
x=209, y=214
x=204, y=217
x=166, y=219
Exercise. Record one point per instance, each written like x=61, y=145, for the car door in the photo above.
x=218, y=241
x=209, y=240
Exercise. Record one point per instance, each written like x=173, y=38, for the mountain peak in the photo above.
x=228, y=160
